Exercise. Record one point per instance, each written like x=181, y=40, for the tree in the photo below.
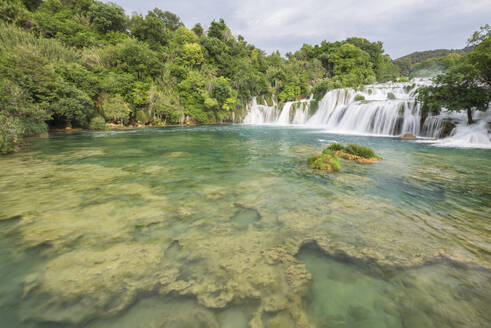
x=198, y=30
x=107, y=17
x=456, y=90
x=150, y=29
x=11, y=11
x=466, y=86
x=32, y=5
x=170, y=20
x=115, y=109
x=477, y=37
x=192, y=54
x=220, y=31
x=352, y=66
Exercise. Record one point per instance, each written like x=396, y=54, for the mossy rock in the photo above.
x=359, y=98
x=358, y=153
x=327, y=161
x=447, y=129
x=391, y=96
x=335, y=146
x=409, y=136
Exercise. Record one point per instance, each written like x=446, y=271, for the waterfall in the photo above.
x=263, y=114
x=260, y=114
x=285, y=114
x=379, y=109
x=386, y=109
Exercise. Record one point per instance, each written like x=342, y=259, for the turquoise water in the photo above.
x=227, y=226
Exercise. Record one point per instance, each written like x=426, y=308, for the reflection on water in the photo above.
x=228, y=227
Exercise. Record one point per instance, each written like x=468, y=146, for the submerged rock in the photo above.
x=409, y=136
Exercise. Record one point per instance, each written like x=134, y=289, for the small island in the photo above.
x=329, y=161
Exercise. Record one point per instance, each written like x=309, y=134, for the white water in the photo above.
x=469, y=136
x=260, y=114
x=285, y=114
x=388, y=109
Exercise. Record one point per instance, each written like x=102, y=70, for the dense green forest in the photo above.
x=81, y=63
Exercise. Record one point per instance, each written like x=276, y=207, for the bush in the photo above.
x=391, y=96
x=327, y=161
x=359, y=98
x=361, y=151
x=335, y=146
x=98, y=123
x=115, y=109
x=9, y=134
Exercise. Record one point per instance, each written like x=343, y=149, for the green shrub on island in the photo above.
x=361, y=151
x=98, y=124
x=352, y=152
x=335, y=146
x=359, y=98
x=327, y=161
x=391, y=96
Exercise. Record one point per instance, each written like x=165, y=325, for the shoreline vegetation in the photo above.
x=84, y=64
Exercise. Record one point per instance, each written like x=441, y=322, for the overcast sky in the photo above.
x=403, y=26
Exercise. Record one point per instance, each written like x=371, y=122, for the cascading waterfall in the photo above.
x=379, y=109
x=387, y=109
x=285, y=114
x=264, y=114
x=260, y=114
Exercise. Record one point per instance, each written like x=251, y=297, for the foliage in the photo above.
x=477, y=37
x=410, y=65
x=352, y=66
x=76, y=60
x=361, y=151
x=391, y=96
x=98, y=123
x=107, y=17
x=115, y=109
x=359, y=97
x=335, y=146
x=327, y=161
x=466, y=86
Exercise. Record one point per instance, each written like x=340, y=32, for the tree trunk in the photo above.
x=469, y=116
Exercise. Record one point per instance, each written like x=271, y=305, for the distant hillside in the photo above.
x=410, y=64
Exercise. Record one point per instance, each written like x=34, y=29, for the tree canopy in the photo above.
x=467, y=84
x=64, y=63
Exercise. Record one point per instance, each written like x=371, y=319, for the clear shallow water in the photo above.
x=226, y=226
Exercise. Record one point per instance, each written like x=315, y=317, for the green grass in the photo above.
x=327, y=161
x=335, y=146
x=359, y=150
